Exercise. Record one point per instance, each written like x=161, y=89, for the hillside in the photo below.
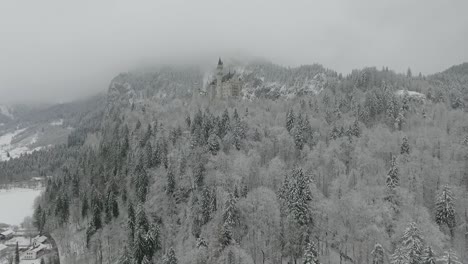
x=308, y=164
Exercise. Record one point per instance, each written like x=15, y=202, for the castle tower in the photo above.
x=219, y=78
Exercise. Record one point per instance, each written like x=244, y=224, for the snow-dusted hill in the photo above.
x=258, y=80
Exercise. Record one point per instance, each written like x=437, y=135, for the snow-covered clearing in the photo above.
x=57, y=122
x=17, y=203
x=5, y=110
x=15, y=150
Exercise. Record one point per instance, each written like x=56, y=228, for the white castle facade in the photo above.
x=224, y=85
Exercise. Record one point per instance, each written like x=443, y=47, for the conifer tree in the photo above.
x=399, y=257
x=213, y=144
x=290, y=120
x=310, y=254
x=149, y=155
x=449, y=257
x=84, y=207
x=445, y=211
x=141, y=182
x=295, y=194
x=206, y=205
x=429, y=256
x=230, y=219
x=377, y=254
x=199, y=174
x=393, y=175
x=171, y=184
x=131, y=221
x=17, y=255
x=224, y=125
x=405, y=149
x=413, y=244
x=170, y=257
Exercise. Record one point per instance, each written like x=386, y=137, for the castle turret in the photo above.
x=219, y=78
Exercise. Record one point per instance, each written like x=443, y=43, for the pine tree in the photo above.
x=405, y=149
x=141, y=182
x=290, y=120
x=206, y=206
x=149, y=155
x=310, y=254
x=429, y=256
x=170, y=257
x=445, y=211
x=17, y=255
x=449, y=257
x=230, y=219
x=213, y=144
x=355, y=129
x=393, y=175
x=413, y=244
x=399, y=257
x=139, y=245
x=84, y=207
x=224, y=124
x=171, y=184
x=295, y=194
x=298, y=136
x=377, y=254
x=199, y=174
x=42, y=261
x=131, y=223
x=39, y=219
x=126, y=257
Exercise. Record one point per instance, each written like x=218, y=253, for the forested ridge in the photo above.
x=356, y=173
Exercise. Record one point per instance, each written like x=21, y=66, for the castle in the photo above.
x=224, y=85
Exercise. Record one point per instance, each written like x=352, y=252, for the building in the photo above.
x=38, y=240
x=7, y=234
x=34, y=252
x=224, y=85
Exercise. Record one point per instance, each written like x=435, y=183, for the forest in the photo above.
x=356, y=173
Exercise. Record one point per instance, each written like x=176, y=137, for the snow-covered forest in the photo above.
x=311, y=167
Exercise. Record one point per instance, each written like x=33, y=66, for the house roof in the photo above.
x=40, y=239
x=38, y=248
x=7, y=232
x=3, y=247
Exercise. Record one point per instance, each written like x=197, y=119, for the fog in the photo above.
x=55, y=50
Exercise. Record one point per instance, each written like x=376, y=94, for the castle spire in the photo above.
x=220, y=62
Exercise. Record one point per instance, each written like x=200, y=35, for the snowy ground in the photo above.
x=15, y=150
x=57, y=122
x=18, y=202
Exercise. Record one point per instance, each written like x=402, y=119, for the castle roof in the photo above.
x=220, y=62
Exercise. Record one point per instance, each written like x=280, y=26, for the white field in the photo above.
x=16, y=150
x=16, y=204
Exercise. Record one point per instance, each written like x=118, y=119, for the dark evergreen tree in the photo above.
x=445, y=210
x=213, y=144
x=413, y=244
x=141, y=182
x=171, y=184
x=405, y=149
x=393, y=179
x=378, y=254
x=17, y=255
x=310, y=254
x=295, y=194
x=290, y=120
x=170, y=257
x=429, y=256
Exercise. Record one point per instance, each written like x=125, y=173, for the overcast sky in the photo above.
x=53, y=50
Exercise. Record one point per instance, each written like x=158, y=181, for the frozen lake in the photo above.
x=16, y=204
